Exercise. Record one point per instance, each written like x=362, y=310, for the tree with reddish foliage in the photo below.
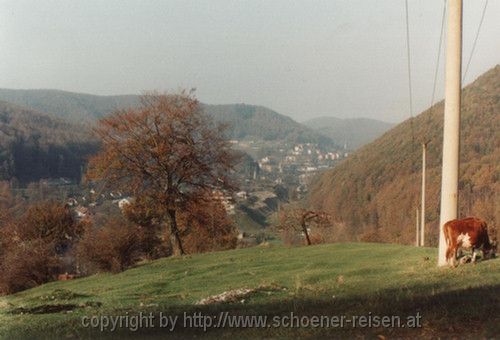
x=112, y=247
x=142, y=212
x=27, y=264
x=33, y=246
x=8, y=208
x=206, y=226
x=52, y=222
x=166, y=151
x=10, y=205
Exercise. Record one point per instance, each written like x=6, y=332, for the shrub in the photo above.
x=52, y=222
x=113, y=247
x=26, y=265
x=324, y=234
x=5, y=240
x=291, y=237
x=206, y=227
x=317, y=238
x=374, y=235
x=32, y=247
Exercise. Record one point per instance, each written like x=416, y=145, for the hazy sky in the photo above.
x=301, y=58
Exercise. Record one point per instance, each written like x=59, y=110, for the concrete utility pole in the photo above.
x=422, y=216
x=451, y=133
x=417, y=233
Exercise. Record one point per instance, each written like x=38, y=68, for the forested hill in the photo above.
x=35, y=145
x=76, y=107
x=245, y=121
x=354, y=132
x=375, y=191
x=257, y=122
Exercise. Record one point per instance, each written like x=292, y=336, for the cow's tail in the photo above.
x=447, y=233
x=447, y=238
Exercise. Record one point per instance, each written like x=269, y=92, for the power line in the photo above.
x=475, y=40
x=438, y=58
x=408, y=58
x=410, y=92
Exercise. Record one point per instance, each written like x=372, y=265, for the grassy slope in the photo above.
x=378, y=278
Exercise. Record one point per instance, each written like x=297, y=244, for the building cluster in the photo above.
x=275, y=172
x=297, y=165
x=85, y=205
x=225, y=199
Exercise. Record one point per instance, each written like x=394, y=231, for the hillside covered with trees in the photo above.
x=76, y=107
x=353, y=132
x=258, y=122
x=375, y=192
x=34, y=145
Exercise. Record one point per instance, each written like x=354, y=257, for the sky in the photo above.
x=343, y=58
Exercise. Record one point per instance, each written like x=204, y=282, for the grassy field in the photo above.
x=334, y=279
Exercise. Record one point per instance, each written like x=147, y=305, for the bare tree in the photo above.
x=297, y=220
x=167, y=152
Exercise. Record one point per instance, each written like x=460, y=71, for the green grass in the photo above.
x=333, y=279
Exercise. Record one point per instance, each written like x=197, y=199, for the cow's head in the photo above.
x=491, y=252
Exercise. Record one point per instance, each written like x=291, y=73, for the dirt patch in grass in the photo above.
x=44, y=309
x=237, y=295
x=54, y=308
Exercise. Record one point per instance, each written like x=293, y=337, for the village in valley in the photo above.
x=291, y=165
x=276, y=173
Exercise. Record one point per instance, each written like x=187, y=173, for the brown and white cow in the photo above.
x=470, y=234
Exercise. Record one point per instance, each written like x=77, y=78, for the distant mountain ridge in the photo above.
x=258, y=122
x=246, y=121
x=352, y=132
x=76, y=107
